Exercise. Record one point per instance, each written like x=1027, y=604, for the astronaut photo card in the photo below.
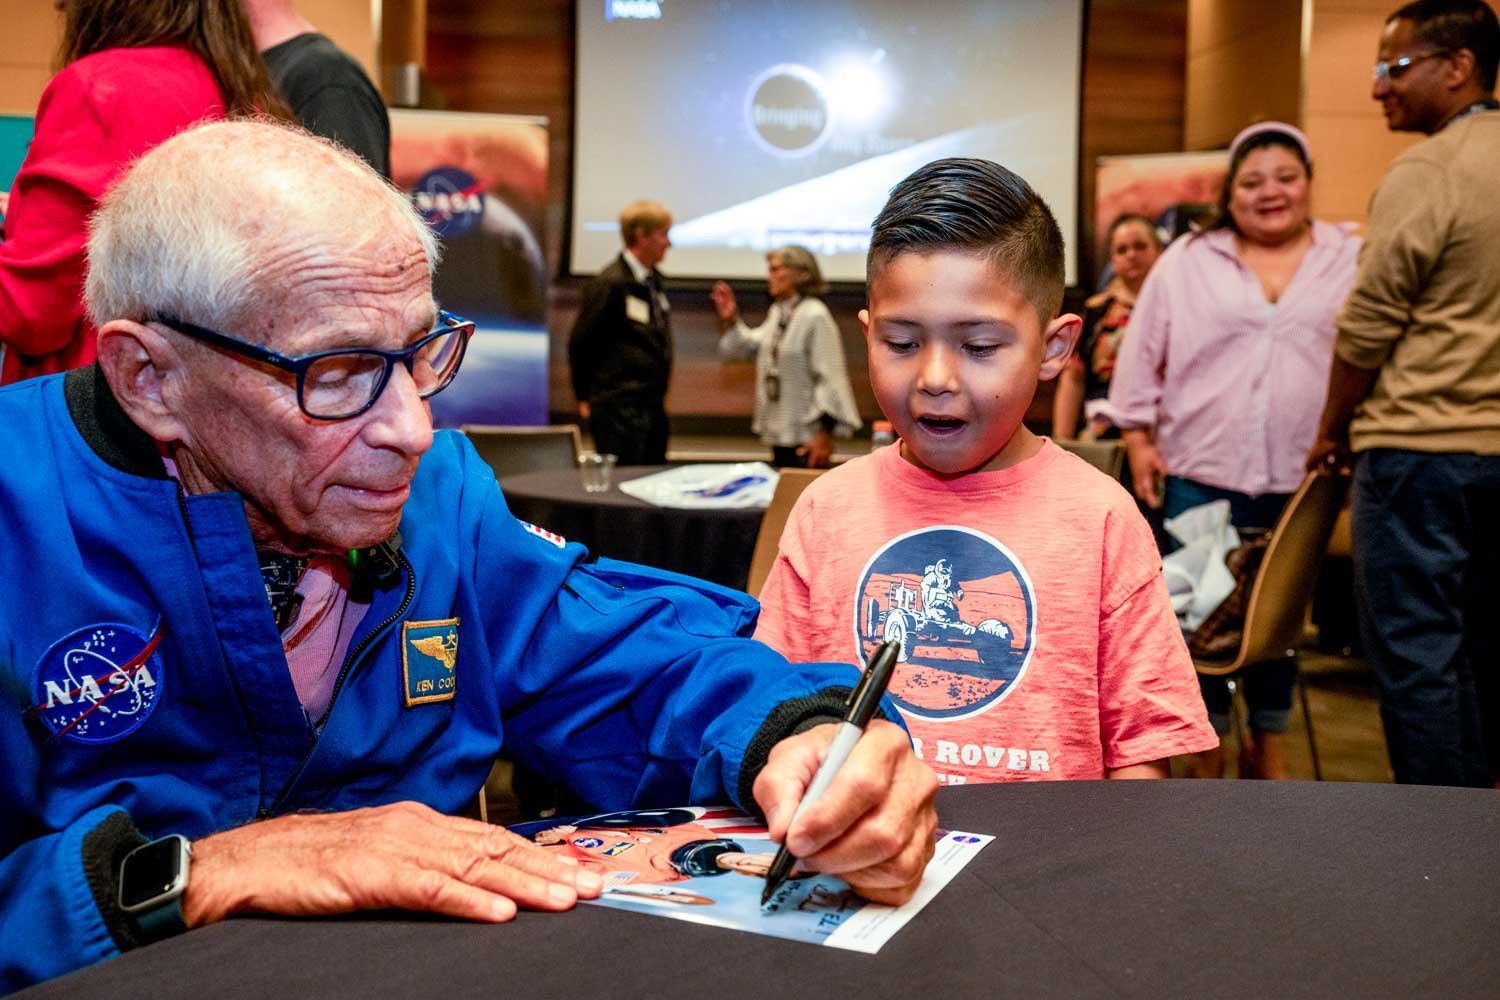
x=708, y=864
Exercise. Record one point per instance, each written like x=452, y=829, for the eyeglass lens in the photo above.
x=340, y=385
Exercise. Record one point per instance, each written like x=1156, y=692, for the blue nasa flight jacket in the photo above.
x=147, y=692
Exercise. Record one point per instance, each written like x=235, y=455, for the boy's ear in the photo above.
x=1058, y=341
x=864, y=321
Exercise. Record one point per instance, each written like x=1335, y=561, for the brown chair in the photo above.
x=509, y=450
x=788, y=488
x=1282, y=591
x=1106, y=456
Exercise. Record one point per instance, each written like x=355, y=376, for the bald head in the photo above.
x=205, y=225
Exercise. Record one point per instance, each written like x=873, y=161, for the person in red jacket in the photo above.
x=134, y=72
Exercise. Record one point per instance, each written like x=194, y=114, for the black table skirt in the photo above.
x=1091, y=889
x=713, y=545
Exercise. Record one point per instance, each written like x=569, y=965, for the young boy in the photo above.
x=1025, y=588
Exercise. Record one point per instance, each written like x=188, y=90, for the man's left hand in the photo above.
x=874, y=826
x=1329, y=455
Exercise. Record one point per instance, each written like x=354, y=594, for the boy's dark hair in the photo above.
x=978, y=207
x=1450, y=25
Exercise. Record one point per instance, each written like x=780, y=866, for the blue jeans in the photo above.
x=1426, y=579
x=1268, y=684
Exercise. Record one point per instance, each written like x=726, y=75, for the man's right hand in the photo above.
x=400, y=856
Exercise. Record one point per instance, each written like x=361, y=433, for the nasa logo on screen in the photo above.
x=788, y=110
x=449, y=200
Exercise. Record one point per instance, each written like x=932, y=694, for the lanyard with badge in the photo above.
x=773, y=370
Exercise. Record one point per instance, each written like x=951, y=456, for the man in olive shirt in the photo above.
x=1415, y=394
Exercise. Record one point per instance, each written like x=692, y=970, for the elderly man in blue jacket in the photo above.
x=264, y=631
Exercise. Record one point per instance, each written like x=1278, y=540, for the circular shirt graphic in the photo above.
x=788, y=110
x=449, y=200
x=98, y=684
x=964, y=612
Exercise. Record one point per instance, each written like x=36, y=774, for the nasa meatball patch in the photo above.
x=98, y=684
x=962, y=608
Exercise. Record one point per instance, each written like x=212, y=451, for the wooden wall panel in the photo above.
x=1343, y=123
x=517, y=57
x=32, y=29
x=1243, y=65
x=31, y=33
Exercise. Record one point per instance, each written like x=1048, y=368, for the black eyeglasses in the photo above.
x=1395, y=69
x=339, y=384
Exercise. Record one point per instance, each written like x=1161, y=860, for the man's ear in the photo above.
x=138, y=363
x=1058, y=341
x=1462, y=67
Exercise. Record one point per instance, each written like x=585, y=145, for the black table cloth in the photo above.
x=1091, y=889
x=713, y=545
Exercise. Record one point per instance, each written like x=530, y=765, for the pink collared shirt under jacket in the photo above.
x=1232, y=384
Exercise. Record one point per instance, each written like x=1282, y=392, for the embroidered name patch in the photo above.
x=429, y=658
x=98, y=684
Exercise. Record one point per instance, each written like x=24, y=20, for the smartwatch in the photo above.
x=153, y=878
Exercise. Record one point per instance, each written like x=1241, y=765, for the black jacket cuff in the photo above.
x=104, y=850
x=796, y=715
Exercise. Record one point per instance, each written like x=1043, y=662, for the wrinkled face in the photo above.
x=1269, y=195
x=781, y=280
x=312, y=485
x=956, y=350
x=1132, y=251
x=1414, y=101
x=652, y=246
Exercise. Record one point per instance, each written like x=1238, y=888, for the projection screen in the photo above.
x=763, y=122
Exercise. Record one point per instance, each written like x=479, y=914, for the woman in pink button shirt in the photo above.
x=1219, y=386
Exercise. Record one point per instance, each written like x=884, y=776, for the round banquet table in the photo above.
x=1090, y=889
x=713, y=545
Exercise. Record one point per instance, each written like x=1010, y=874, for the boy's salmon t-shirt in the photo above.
x=1038, y=637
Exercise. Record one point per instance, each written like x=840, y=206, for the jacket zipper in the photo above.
x=349, y=661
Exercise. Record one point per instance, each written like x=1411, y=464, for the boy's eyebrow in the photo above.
x=961, y=324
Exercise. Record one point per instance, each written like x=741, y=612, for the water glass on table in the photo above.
x=595, y=470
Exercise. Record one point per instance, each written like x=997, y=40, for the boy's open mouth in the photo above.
x=941, y=425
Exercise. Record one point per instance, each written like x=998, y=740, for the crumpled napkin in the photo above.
x=1197, y=576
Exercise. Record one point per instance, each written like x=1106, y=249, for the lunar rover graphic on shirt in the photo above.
x=962, y=609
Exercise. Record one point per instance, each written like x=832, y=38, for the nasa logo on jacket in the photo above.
x=964, y=611
x=98, y=684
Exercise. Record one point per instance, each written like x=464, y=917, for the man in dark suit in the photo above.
x=620, y=349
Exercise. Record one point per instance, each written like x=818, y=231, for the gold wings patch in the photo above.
x=443, y=648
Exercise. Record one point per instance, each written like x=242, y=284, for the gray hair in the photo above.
x=188, y=227
x=799, y=258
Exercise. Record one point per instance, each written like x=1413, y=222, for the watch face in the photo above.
x=150, y=872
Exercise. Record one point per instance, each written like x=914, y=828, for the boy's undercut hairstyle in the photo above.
x=1450, y=25
x=640, y=218
x=974, y=206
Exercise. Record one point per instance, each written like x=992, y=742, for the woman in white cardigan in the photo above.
x=802, y=393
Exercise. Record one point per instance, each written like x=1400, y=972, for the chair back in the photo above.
x=1283, y=587
x=509, y=450
x=788, y=488
x=1106, y=456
